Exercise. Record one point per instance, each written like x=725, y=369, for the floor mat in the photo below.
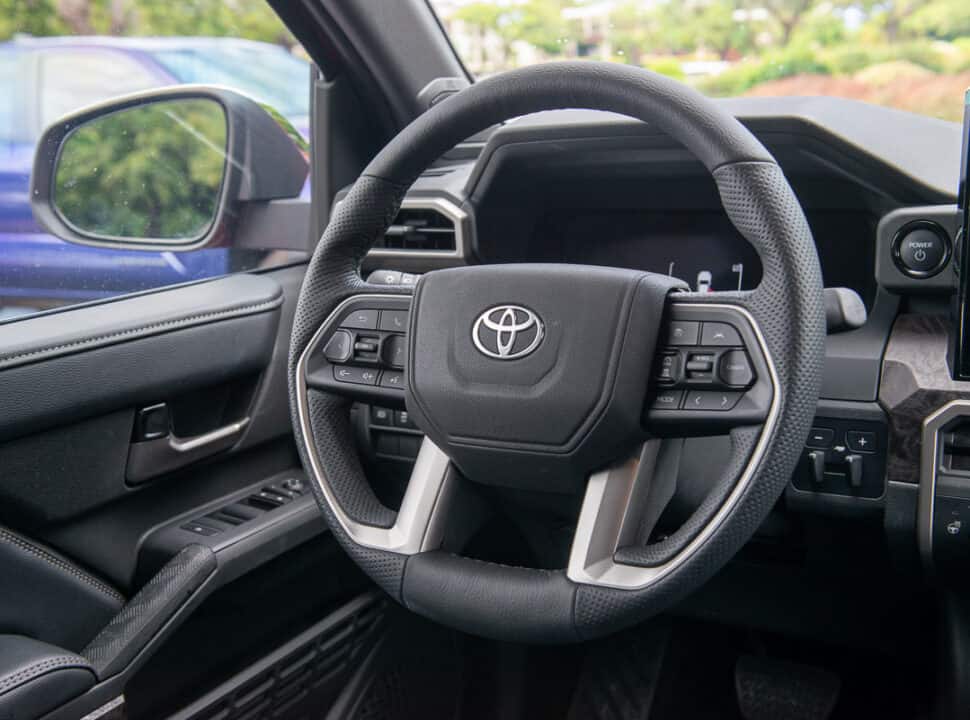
x=769, y=689
x=619, y=677
x=692, y=670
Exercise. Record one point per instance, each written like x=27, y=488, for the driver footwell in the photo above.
x=674, y=669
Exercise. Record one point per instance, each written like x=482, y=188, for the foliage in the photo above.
x=945, y=19
x=536, y=22
x=151, y=171
x=850, y=59
x=668, y=66
x=35, y=17
x=772, y=66
x=786, y=15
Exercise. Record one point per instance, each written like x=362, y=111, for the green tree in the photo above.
x=537, y=22
x=34, y=17
x=888, y=16
x=717, y=28
x=945, y=19
x=786, y=15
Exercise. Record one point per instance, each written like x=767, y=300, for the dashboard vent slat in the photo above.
x=418, y=229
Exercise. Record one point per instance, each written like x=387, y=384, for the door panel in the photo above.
x=74, y=526
x=78, y=363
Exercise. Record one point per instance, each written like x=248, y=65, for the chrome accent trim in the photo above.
x=117, y=704
x=428, y=491
x=447, y=208
x=929, y=464
x=183, y=445
x=608, y=494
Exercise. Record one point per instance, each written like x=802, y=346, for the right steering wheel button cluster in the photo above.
x=708, y=369
x=725, y=363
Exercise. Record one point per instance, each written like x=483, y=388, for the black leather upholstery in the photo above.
x=44, y=595
x=787, y=305
x=508, y=603
x=36, y=677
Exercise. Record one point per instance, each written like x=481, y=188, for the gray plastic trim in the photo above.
x=415, y=529
x=608, y=495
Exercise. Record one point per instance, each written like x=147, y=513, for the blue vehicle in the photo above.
x=45, y=78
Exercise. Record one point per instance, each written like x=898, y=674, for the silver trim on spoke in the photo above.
x=608, y=495
x=415, y=528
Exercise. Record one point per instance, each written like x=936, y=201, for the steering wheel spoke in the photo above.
x=712, y=375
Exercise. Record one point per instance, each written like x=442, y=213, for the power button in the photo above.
x=921, y=249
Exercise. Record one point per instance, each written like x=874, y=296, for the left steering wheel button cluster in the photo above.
x=366, y=349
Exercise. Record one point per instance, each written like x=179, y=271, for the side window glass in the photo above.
x=47, y=71
x=71, y=79
x=10, y=121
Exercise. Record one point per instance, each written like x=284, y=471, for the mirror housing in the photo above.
x=265, y=160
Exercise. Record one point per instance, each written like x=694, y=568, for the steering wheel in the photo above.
x=543, y=377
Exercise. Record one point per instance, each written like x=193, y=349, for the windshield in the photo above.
x=267, y=73
x=908, y=54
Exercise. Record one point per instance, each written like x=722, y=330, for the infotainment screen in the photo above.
x=965, y=168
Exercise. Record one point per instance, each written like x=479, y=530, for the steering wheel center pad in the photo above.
x=537, y=417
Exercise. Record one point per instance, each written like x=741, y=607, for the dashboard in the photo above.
x=703, y=249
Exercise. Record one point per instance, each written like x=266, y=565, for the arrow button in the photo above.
x=711, y=400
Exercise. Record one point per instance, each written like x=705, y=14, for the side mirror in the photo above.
x=170, y=169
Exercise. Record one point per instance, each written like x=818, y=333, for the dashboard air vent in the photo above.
x=417, y=229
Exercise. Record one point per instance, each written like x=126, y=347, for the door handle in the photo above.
x=184, y=445
x=151, y=458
